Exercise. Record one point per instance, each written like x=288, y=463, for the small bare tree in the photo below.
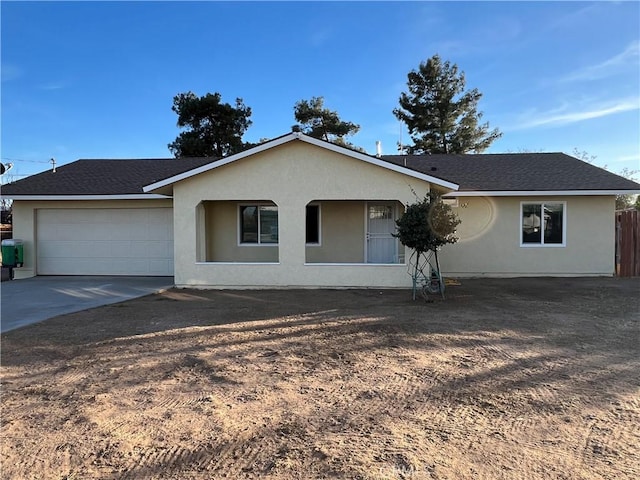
x=426, y=226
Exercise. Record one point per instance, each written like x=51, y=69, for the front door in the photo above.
x=382, y=246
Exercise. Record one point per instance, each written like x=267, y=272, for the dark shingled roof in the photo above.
x=515, y=172
x=102, y=177
x=484, y=172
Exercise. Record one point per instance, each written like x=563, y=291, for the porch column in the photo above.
x=292, y=235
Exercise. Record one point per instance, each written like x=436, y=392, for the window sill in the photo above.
x=351, y=264
x=237, y=263
x=543, y=245
x=258, y=244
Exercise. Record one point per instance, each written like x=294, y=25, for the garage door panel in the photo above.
x=151, y=250
x=61, y=249
x=51, y=230
x=86, y=249
x=158, y=230
x=105, y=241
x=156, y=267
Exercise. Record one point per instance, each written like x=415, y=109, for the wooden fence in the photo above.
x=628, y=243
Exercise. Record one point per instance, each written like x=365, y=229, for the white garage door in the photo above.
x=97, y=241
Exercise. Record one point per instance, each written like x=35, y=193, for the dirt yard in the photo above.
x=506, y=379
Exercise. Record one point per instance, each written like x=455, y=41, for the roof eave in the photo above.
x=538, y=193
x=133, y=196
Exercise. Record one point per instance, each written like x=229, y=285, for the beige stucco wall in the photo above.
x=342, y=230
x=490, y=239
x=24, y=222
x=221, y=224
x=291, y=176
x=342, y=234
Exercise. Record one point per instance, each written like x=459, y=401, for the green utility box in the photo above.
x=12, y=253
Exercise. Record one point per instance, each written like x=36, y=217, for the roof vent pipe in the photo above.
x=378, y=148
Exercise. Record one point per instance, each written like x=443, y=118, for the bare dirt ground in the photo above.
x=506, y=379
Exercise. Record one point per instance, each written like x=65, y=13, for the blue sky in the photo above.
x=96, y=80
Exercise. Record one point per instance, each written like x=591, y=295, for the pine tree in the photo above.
x=213, y=129
x=441, y=116
x=319, y=122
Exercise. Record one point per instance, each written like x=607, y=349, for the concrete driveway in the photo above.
x=35, y=299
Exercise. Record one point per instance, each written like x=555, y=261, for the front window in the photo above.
x=543, y=224
x=258, y=224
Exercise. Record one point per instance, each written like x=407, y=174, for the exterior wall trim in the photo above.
x=238, y=263
x=133, y=196
x=391, y=265
x=307, y=264
x=538, y=193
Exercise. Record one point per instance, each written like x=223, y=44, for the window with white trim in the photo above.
x=543, y=224
x=258, y=224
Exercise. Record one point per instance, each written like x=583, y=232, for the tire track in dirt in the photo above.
x=399, y=389
x=73, y=376
x=465, y=432
x=614, y=439
x=544, y=399
x=19, y=410
x=171, y=402
x=496, y=352
x=453, y=421
x=130, y=429
x=230, y=458
x=220, y=459
x=34, y=463
x=457, y=423
x=156, y=460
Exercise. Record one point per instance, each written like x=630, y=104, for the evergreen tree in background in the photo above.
x=319, y=122
x=440, y=115
x=212, y=128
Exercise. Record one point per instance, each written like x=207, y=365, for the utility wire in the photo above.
x=23, y=160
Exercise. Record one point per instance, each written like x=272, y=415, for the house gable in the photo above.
x=208, y=218
x=163, y=185
x=299, y=171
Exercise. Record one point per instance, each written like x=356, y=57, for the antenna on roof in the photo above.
x=53, y=163
x=400, y=146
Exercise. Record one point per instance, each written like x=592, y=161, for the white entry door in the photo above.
x=105, y=241
x=382, y=246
